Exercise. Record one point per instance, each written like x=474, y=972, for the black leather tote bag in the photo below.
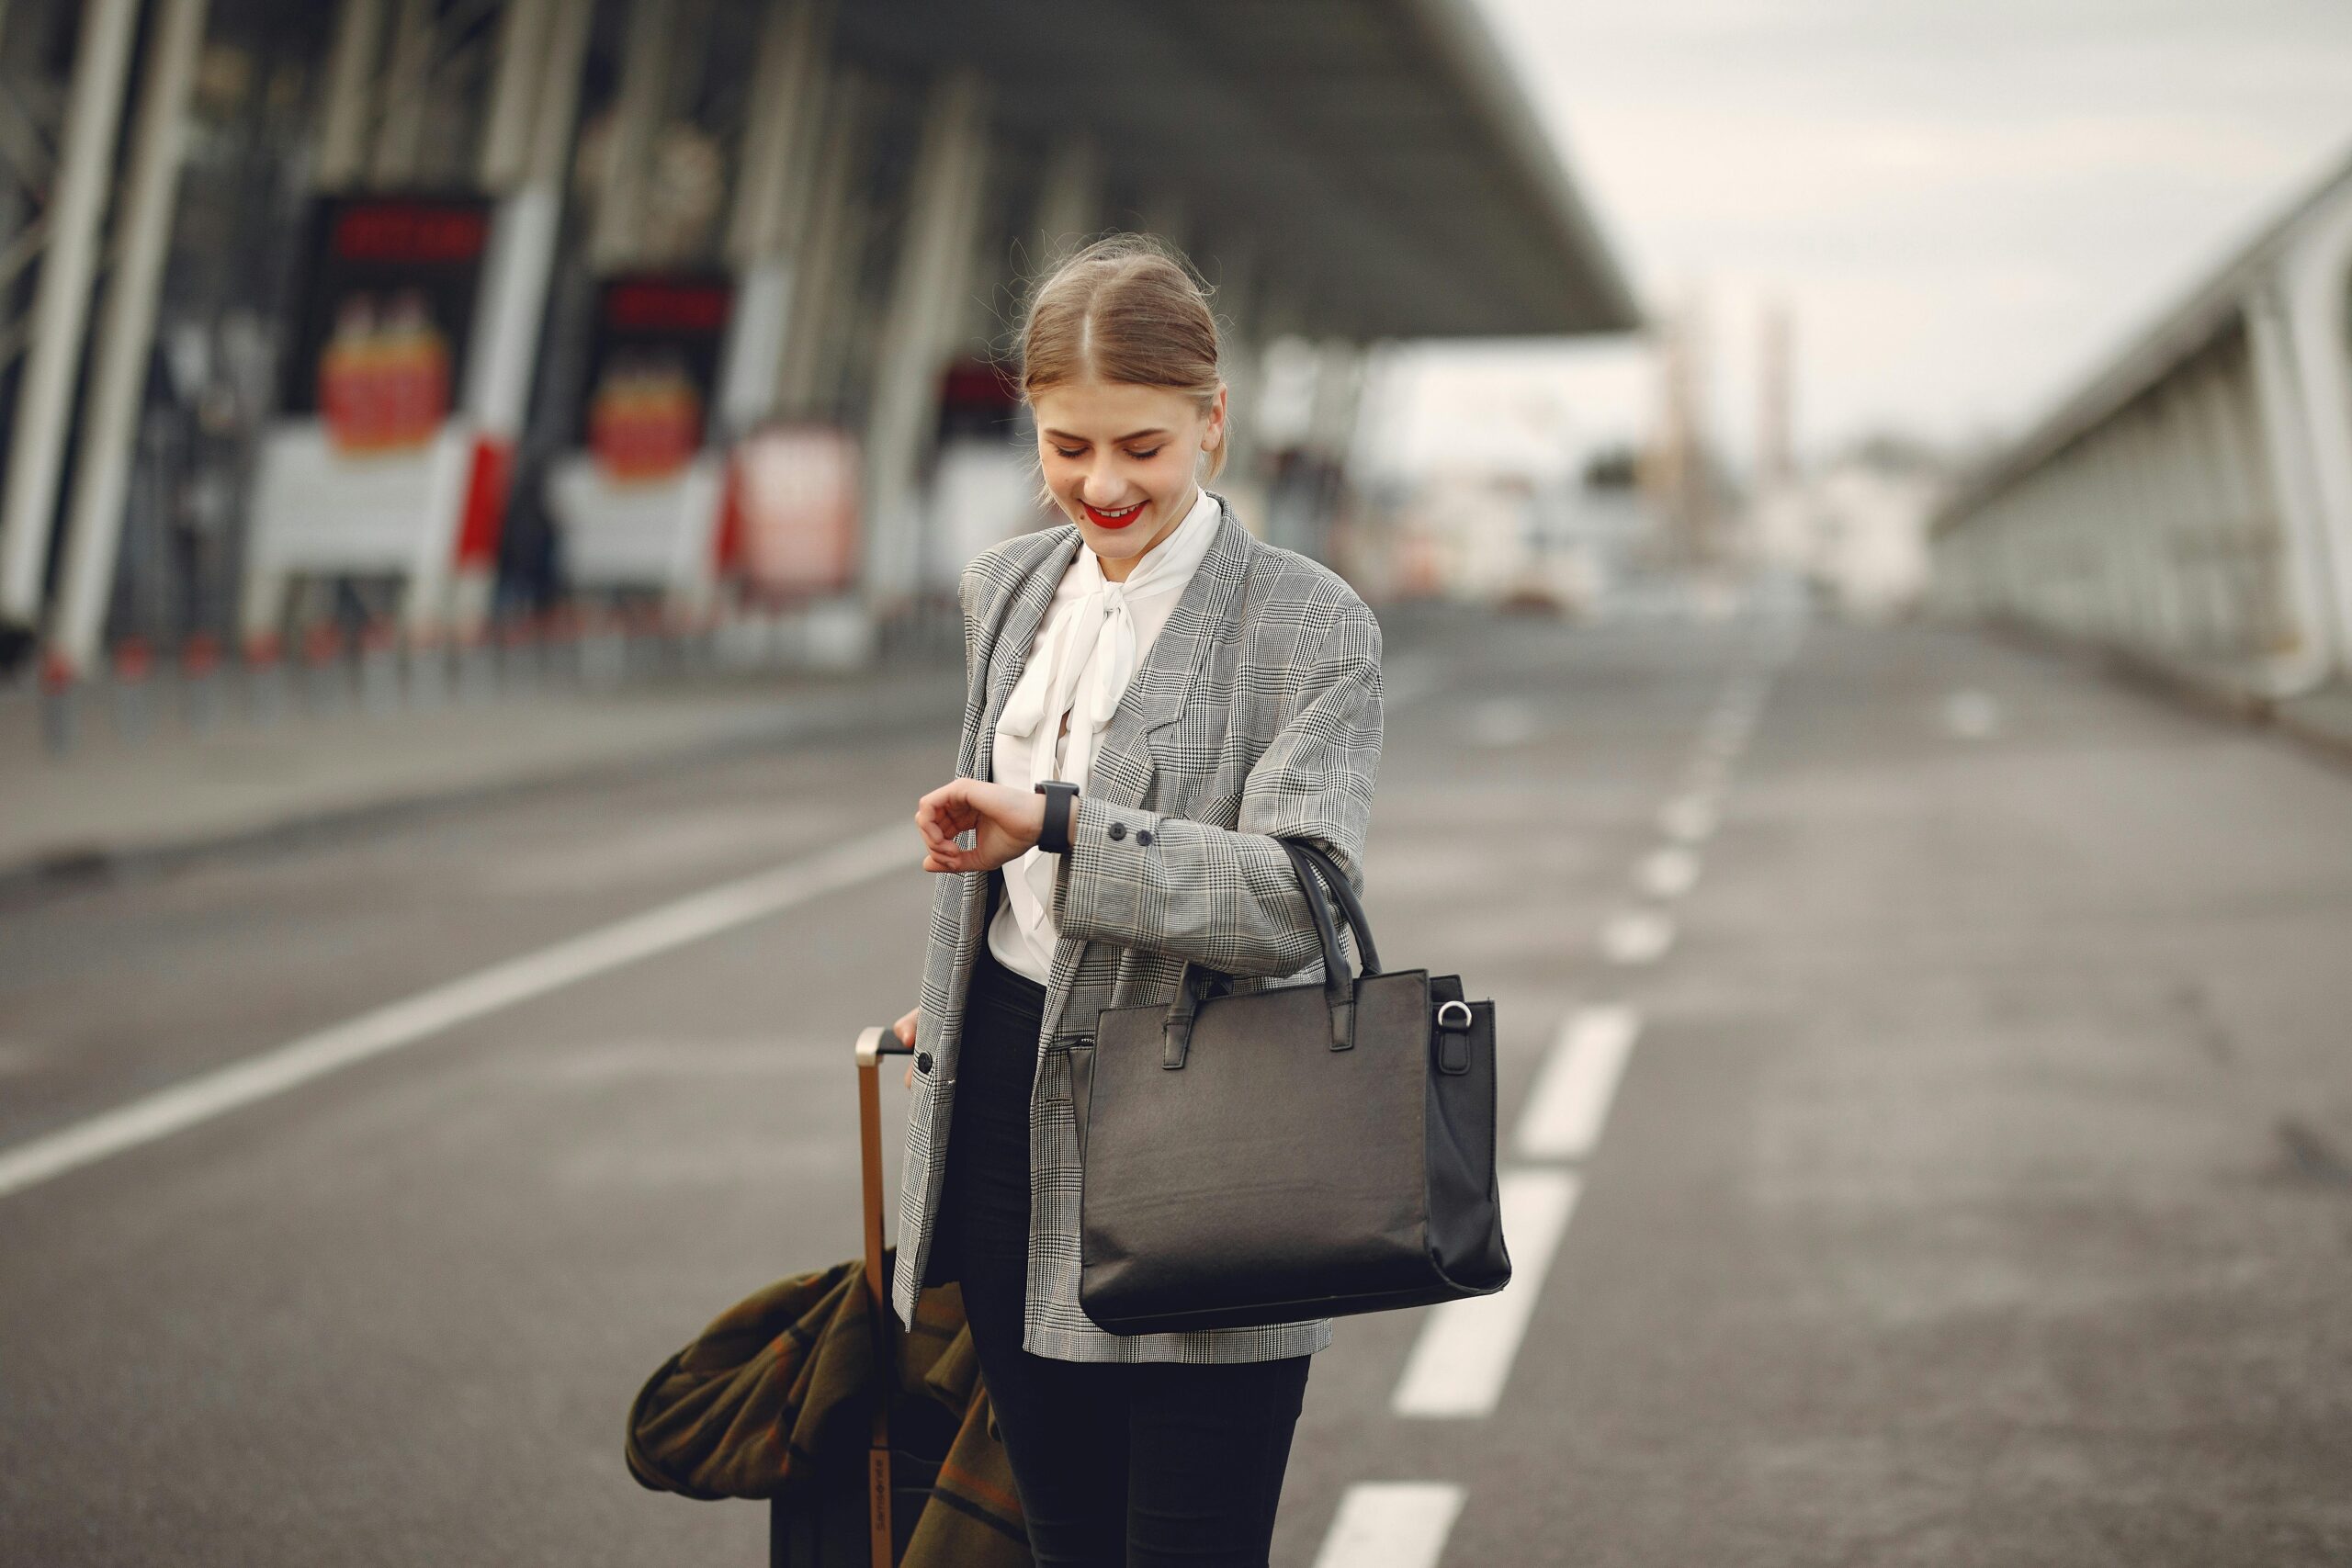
x=1300, y=1152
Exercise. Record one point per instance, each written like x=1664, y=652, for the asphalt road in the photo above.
x=1945, y=1156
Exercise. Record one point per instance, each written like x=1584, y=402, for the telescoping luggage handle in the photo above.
x=873, y=1045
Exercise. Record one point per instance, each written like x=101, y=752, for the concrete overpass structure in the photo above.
x=2191, y=504
x=871, y=182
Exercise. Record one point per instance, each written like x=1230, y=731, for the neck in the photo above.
x=1116, y=570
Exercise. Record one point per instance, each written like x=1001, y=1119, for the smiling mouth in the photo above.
x=1118, y=519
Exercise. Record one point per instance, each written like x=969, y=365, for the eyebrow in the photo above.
x=1131, y=435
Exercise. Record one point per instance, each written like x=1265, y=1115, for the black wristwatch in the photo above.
x=1054, y=836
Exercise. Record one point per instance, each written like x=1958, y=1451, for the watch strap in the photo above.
x=1054, y=836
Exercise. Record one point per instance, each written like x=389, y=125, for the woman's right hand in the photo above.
x=905, y=1030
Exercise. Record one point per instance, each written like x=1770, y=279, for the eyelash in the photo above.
x=1138, y=457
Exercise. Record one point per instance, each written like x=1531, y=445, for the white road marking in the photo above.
x=1972, y=714
x=1391, y=1524
x=1466, y=1349
x=1502, y=721
x=1688, y=818
x=1564, y=1116
x=1705, y=773
x=1636, y=936
x=1724, y=735
x=403, y=1023
x=1669, y=873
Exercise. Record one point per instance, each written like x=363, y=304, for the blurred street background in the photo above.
x=1858, y=502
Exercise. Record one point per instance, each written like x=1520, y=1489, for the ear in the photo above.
x=1214, y=437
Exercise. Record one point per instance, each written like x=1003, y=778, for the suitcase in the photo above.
x=866, y=1525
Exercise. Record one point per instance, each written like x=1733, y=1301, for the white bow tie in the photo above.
x=1100, y=613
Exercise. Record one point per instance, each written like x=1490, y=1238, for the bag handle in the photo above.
x=1338, y=986
x=1351, y=907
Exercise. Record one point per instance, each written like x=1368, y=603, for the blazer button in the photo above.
x=1142, y=836
x=1117, y=830
x=922, y=1063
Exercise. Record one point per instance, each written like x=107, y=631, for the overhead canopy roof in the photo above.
x=1379, y=154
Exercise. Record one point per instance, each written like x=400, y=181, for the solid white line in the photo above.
x=1391, y=1524
x=1564, y=1116
x=387, y=1029
x=1466, y=1349
x=1636, y=936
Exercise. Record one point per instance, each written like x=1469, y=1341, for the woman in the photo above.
x=1204, y=692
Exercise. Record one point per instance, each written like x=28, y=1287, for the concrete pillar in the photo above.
x=628, y=137
x=126, y=333
x=351, y=76
x=1237, y=301
x=772, y=198
x=823, y=254
x=781, y=131
x=1338, y=395
x=1167, y=216
x=514, y=94
x=407, y=86
x=1070, y=200
x=2303, y=527
x=516, y=271
x=61, y=304
x=933, y=265
x=2316, y=289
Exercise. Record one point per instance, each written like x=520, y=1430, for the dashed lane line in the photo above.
x=1636, y=936
x=1669, y=873
x=1565, y=1113
x=1688, y=818
x=421, y=1016
x=1391, y=1524
x=1464, y=1355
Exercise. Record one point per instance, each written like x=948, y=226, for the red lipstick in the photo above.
x=1103, y=520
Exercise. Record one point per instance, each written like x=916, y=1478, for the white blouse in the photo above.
x=1093, y=637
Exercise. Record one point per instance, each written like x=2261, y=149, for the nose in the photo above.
x=1101, y=488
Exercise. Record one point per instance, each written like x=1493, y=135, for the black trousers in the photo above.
x=1117, y=1463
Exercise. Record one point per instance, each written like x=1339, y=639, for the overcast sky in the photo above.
x=1967, y=203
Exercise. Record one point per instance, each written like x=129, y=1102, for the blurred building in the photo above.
x=427, y=312
x=1560, y=538
x=1855, y=529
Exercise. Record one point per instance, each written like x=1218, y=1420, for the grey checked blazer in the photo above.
x=1256, y=712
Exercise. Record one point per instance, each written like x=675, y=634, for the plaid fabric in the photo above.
x=1257, y=712
x=774, y=1396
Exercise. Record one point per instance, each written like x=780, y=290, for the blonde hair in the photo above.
x=1125, y=308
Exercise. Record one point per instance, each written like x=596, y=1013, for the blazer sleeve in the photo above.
x=1226, y=897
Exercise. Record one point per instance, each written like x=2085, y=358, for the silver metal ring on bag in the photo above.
x=1447, y=1019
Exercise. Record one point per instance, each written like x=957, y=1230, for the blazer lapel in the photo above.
x=1009, y=651
x=1173, y=670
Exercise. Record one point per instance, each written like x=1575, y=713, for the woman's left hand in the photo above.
x=1008, y=823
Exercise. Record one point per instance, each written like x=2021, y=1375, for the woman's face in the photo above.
x=1120, y=459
